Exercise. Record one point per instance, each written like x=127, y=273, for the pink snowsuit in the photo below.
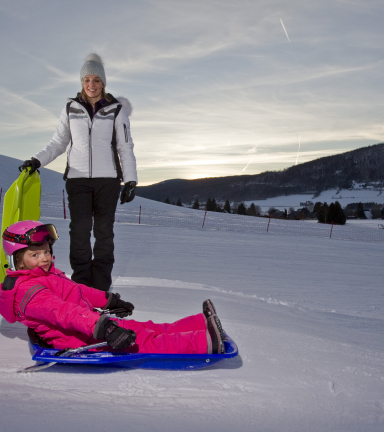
x=61, y=312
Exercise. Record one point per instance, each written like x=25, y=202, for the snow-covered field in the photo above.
x=344, y=197
x=306, y=313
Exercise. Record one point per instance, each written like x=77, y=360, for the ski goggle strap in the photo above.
x=35, y=236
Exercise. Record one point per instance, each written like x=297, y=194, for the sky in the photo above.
x=218, y=87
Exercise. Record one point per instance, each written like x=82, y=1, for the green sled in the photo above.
x=21, y=202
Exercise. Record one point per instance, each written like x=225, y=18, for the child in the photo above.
x=61, y=311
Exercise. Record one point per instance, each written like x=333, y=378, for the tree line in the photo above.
x=324, y=213
x=215, y=206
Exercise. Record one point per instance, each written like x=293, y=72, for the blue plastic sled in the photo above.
x=134, y=361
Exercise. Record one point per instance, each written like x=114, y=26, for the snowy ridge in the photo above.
x=344, y=196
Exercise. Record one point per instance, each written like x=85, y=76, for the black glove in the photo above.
x=114, y=302
x=33, y=163
x=117, y=337
x=128, y=193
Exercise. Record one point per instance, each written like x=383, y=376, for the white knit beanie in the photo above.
x=93, y=66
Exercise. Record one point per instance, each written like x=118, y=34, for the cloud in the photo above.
x=203, y=74
x=20, y=116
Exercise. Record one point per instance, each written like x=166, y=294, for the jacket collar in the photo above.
x=82, y=102
x=38, y=271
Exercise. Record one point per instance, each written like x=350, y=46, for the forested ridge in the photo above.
x=364, y=165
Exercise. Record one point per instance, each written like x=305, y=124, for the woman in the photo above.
x=100, y=156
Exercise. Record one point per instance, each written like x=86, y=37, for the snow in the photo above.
x=344, y=196
x=306, y=313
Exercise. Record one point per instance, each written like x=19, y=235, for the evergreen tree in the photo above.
x=251, y=210
x=241, y=210
x=360, y=211
x=196, y=205
x=336, y=214
x=332, y=213
x=316, y=208
x=208, y=204
x=227, y=206
x=211, y=204
x=167, y=201
x=341, y=217
x=322, y=213
x=214, y=205
x=179, y=203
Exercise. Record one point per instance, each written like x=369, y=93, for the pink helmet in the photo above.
x=24, y=234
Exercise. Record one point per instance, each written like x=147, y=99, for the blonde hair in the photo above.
x=104, y=95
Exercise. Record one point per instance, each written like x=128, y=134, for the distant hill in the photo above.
x=51, y=181
x=364, y=165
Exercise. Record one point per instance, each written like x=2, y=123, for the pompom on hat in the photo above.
x=93, y=66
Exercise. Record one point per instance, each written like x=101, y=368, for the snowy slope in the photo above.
x=51, y=181
x=343, y=196
x=307, y=316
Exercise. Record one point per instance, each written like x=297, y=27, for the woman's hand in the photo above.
x=128, y=193
x=33, y=163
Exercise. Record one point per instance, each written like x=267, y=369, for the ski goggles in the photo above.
x=34, y=237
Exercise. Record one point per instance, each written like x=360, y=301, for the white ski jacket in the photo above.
x=93, y=152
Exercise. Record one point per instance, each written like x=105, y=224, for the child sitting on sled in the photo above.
x=61, y=311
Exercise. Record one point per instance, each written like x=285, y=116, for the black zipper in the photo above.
x=113, y=158
x=90, y=152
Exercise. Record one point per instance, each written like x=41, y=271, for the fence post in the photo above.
x=268, y=223
x=204, y=218
x=65, y=214
x=330, y=235
x=139, y=215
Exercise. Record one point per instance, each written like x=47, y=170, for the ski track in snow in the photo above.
x=135, y=282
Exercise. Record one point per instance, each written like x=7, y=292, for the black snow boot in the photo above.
x=215, y=331
x=208, y=308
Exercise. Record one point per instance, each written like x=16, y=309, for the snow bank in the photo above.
x=307, y=315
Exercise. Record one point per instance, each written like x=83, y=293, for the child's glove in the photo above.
x=117, y=337
x=114, y=302
x=128, y=193
x=33, y=163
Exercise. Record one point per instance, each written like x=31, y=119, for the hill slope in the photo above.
x=51, y=181
x=364, y=165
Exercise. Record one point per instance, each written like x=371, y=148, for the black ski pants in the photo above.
x=92, y=201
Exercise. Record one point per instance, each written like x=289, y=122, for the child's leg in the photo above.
x=191, y=323
x=182, y=342
x=147, y=341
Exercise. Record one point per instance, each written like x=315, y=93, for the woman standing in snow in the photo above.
x=100, y=156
